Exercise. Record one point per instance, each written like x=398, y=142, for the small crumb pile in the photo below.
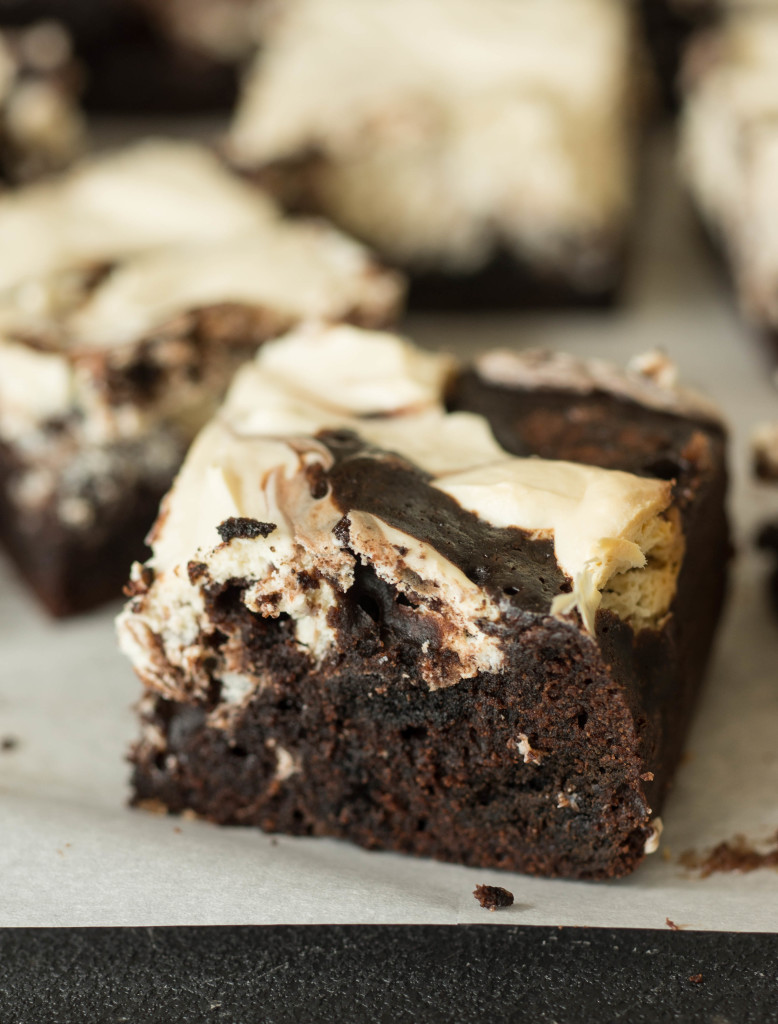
x=493, y=897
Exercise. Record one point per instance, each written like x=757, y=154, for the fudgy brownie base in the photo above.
x=388, y=764
x=667, y=34
x=509, y=283
x=72, y=570
x=767, y=540
x=128, y=67
x=554, y=765
x=139, y=73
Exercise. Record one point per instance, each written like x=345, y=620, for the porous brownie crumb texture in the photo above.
x=370, y=754
x=493, y=897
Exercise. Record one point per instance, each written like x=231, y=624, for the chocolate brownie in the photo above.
x=729, y=138
x=765, y=464
x=130, y=290
x=457, y=613
x=487, y=150
x=41, y=129
x=143, y=63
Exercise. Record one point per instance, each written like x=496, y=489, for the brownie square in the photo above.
x=41, y=129
x=484, y=146
x=460, y=613
x=729, y=151
x=130, y=290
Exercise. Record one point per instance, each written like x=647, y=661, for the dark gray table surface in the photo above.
x=379, y=973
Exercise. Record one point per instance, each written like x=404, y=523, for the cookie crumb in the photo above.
x=241, y=527
x=696, y=979
x=493, y=897
x=672, y=925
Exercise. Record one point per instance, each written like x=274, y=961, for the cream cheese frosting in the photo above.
x=729, y=149
x=764, y=443
x=475, y=122
x=254, y=462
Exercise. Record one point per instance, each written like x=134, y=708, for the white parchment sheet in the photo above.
x=71, y=853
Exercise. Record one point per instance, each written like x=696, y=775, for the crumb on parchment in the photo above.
x=493, y=897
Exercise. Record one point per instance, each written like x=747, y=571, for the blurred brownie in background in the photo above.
x=765, y=463
x=146, y=56
x=41, y=129
x=729, y=152
x=130, y=290
x=485, y=146
x=669, y=25
x=158, y=60
x=227, y=31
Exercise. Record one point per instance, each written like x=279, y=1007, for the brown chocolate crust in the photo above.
x=509, y=282
x=71, y=571
x=602, y=430
x=668, y=32
x=553, y=765
x=605, y=430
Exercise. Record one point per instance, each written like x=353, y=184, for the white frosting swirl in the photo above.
x=254, y=462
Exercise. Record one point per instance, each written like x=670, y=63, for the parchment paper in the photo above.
x=71, y=853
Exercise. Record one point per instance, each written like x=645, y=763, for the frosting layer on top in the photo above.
x=449, y=128
x=108, y=256
x=729, y=149
x=334, y=451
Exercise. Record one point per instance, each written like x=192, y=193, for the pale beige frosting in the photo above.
x=729, y=150
x=603, y=522
x=650, y=379
x=612, y=532
x=182, y=234
x=474, y=122
x=765, y=449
